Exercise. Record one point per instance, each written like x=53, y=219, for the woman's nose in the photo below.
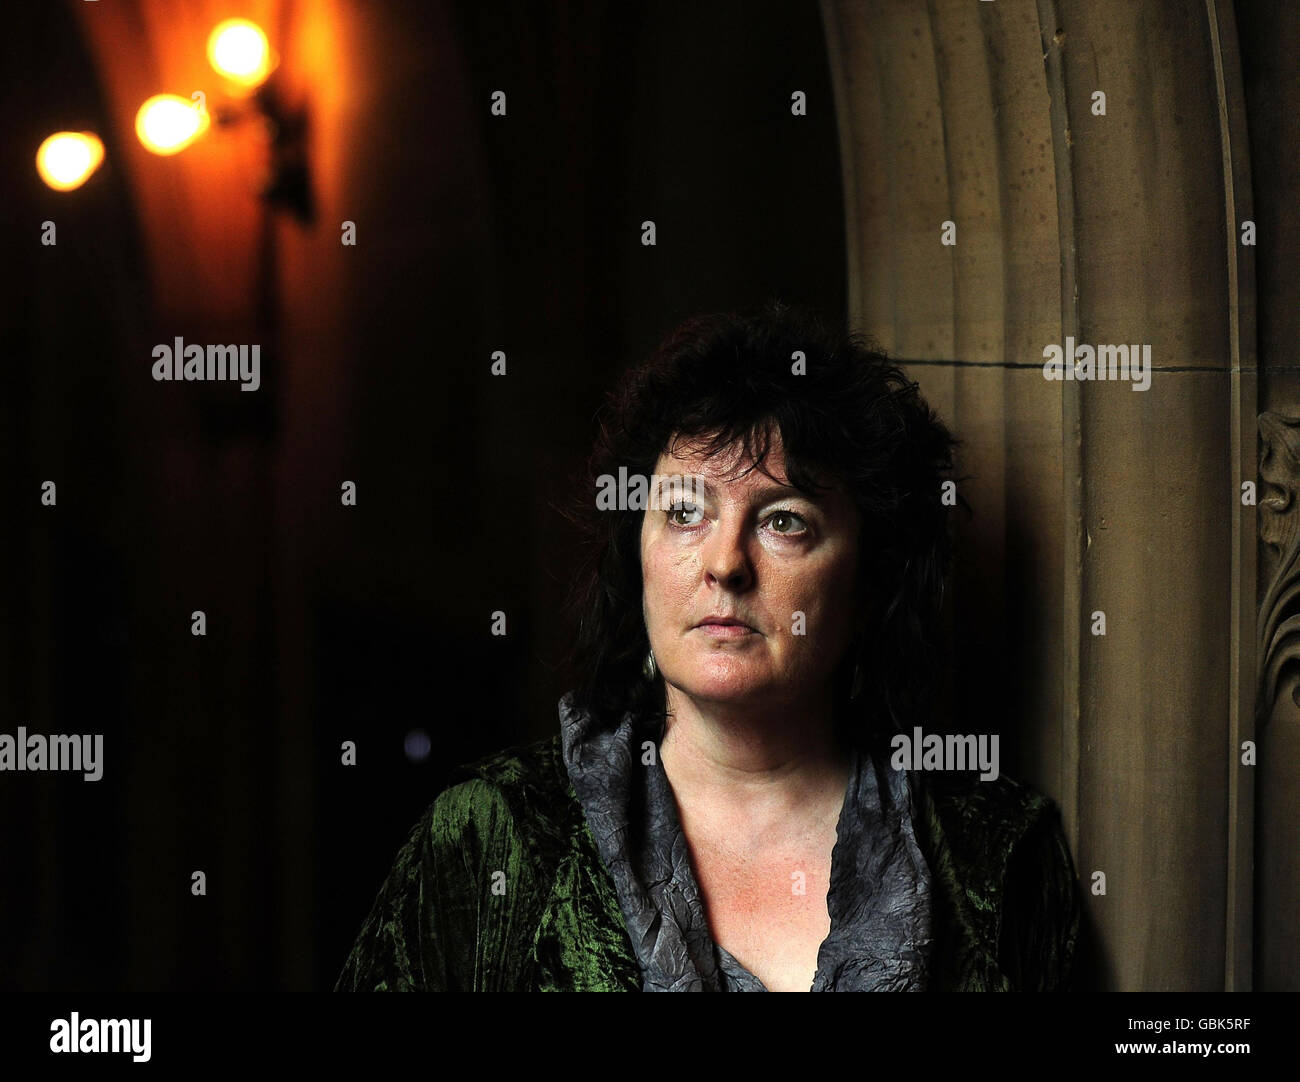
x=725, y=560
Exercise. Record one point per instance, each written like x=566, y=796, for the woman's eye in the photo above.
x=682, y=509
x=788, y=523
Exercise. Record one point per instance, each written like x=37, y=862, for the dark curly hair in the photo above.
x=852, y=416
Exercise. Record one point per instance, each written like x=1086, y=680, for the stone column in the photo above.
x=1090, y=162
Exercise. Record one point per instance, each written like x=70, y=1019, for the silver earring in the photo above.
x=648, y=668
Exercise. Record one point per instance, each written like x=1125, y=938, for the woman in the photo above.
x=720, y=809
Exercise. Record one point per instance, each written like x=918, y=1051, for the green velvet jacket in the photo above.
x=1004, y=895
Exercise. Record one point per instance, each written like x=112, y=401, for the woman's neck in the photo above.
x=766, y=765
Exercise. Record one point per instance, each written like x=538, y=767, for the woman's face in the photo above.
x=738, y=544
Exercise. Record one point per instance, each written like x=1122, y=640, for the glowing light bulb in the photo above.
x=67, y=158
x=238, y=50
x=168, y=123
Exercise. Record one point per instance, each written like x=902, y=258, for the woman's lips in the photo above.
x=726, y=631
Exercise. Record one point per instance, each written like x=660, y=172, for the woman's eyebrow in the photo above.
x=786, y=492
x=775, y=491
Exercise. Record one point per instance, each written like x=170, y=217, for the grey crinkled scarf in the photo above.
x=878, y=899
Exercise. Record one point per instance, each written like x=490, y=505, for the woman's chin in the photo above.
x=726, y=688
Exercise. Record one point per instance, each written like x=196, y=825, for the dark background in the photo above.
x=326, y=623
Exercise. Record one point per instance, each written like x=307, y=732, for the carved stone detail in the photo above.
x=1279, y=529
